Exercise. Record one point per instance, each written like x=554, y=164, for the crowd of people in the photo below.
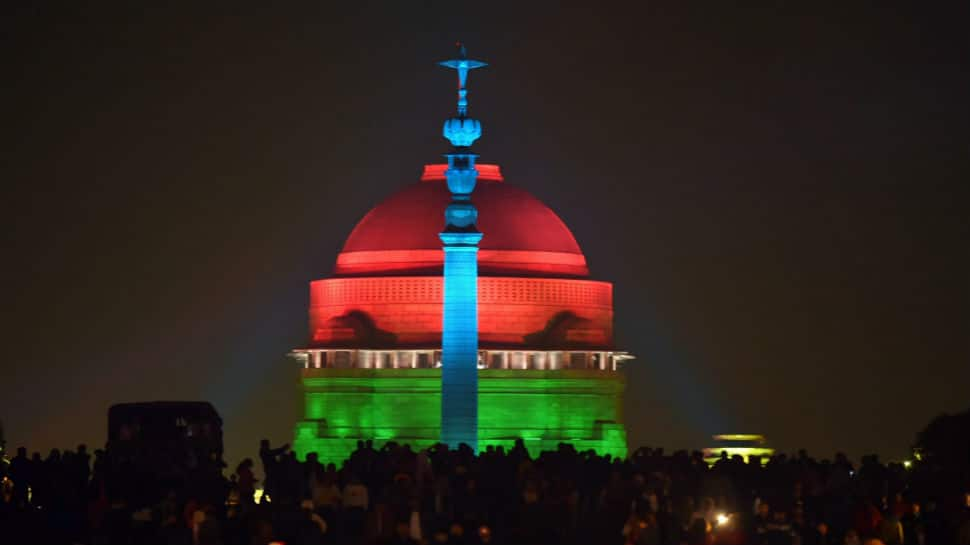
x=398, y=495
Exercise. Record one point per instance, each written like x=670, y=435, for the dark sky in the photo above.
x=778, y=193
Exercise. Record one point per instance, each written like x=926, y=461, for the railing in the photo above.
x=346, y=358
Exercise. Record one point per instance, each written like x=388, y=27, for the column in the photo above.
x=459, y=343
x=460, y=238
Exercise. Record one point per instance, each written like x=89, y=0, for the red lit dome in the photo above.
x=522, y=236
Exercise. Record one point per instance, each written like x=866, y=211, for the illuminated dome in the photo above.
x=523, y=236
x=461, y=311
x=534, y=287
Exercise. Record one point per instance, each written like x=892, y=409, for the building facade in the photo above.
x=547, y=369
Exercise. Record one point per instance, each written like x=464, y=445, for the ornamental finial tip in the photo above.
x=462, y=65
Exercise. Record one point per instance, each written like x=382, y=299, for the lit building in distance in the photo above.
x=744, y=445
x=547, y=370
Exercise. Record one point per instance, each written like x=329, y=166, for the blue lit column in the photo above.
x=459, y=331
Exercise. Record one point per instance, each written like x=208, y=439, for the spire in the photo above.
x=460, y=238
x=462, y=131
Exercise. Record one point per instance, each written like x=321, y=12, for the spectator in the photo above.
x=270, y=460
x=21, y=473
x=395, y=494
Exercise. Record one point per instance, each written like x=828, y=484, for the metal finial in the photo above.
x=462, y=64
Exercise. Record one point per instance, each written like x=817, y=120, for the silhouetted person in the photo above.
x=269, y=458
x=22, y=476
x=391, y=494
x=246, y=483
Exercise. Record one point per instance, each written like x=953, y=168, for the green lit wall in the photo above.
x=545, y=408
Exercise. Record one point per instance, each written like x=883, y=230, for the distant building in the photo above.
x=161, y=426
x=151, y=443
x=741, y=444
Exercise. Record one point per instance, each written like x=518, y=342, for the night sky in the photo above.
x=780, y=195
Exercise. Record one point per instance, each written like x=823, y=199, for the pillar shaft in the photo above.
x=459, y=347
